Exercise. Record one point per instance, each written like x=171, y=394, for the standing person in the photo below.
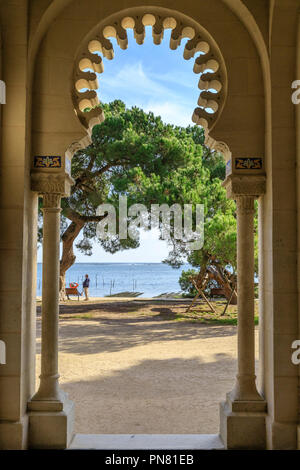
x=86, y=285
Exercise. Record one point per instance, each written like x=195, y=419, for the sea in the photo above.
x=143, y=279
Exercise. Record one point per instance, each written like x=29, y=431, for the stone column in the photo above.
x=245, y=387
x=243, y=413
x=48, y=390
x=50, y=411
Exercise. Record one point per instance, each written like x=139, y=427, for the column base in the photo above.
x=51, y=423
x=282, y=436
x=243, y=424
x=14, y=435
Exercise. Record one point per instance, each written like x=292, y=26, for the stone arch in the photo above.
x=209, y=63
x=249, y=25
x=78, y=145
x=237, y=7
x=247, y=19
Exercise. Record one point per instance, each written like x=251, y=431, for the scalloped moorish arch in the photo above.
x=55, y=9
x=209, y=62
x=211, y=142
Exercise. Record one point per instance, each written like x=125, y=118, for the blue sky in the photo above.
x=152, y=77
x=156, y=79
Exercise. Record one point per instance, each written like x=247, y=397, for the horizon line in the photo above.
x=118, y=262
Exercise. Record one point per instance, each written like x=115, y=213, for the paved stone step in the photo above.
x=147, y=441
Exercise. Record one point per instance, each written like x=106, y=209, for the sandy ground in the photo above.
x=130, y=368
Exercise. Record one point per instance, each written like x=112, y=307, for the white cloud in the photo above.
x=133, y=79
x=172, y=113
x=136, y=86
x=182, y=79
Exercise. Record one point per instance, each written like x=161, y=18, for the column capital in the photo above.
x=55, y=183
x=51, y=201
x=245, y=185
x=245, y=204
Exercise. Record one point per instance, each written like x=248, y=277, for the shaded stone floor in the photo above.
x=141, y=372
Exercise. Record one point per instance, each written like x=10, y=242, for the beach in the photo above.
x=144, y=366
x=144, y=279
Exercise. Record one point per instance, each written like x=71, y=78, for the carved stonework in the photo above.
x=78, y=145
x=51, y=183
x=248, y=185
x=245, y=204
x=72, y=149
x=213, y=83
x=218, y=146
x=51, y=201
x=47, y=183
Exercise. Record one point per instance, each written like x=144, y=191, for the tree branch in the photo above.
x=82, y=219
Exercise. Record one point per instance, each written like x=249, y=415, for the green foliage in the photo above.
x=172, y=165
x=215, y=163
x=186, y=284
x=136, y=154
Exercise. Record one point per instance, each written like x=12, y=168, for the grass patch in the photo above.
x=199, y=317
x=176, y=312
x=81, y=316
x=216, y=318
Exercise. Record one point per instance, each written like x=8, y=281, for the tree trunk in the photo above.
x=62, y=285
x=68, y=258
x=202, y=273
x=217, y=276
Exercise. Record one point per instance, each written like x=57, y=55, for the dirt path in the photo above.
x=139, y=371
